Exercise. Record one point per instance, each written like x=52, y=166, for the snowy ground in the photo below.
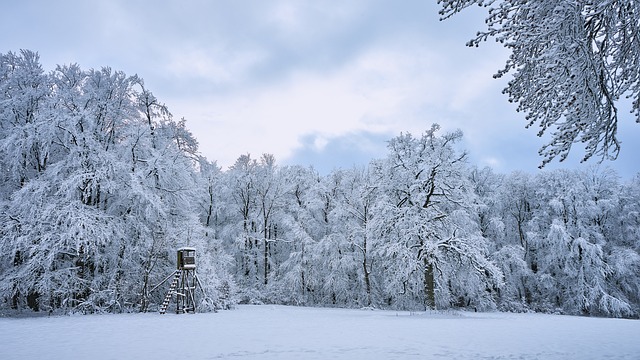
x=281, y=332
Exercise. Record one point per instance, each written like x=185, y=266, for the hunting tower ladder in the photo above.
x=184, y=283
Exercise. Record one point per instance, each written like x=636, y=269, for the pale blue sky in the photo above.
x=322, y=83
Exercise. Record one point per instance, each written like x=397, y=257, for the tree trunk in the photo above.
x=266, y=261
x=429, y=286
x=365, y=269
x=266, y=237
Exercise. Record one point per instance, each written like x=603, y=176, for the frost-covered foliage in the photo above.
x=99, y=186
x=97, y=189
x=430, y=246
x=572, y=62
x=421, y=228
x=560, y=244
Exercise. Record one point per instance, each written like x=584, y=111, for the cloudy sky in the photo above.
x=322, y=83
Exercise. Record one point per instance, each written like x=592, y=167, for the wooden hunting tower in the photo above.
x=184, y=283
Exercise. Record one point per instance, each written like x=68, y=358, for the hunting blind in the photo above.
x=184, y=283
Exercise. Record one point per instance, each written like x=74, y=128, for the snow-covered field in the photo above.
x=281, y=332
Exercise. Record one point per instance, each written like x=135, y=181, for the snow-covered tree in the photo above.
x=570, y=242
x=487, y=186
x=331, y=258
x=623, y=246
x=354, y=212
x=343, y=256
x=572, y=62
x=25, y=132
x=101, y=193
x=257, y=194
x=270, y=196
x=432, y=249
x=301, y=276
x=241, y=228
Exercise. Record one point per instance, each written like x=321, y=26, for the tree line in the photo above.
x=100, y=185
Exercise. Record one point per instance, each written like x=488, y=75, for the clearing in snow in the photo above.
x=284, y=332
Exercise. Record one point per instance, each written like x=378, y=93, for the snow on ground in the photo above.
x=282, y=332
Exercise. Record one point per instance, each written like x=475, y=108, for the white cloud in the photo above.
x=296, y=18
x=383, y=90
x=273, y=119
x=491, y=162
x=214, y=64
x=319, y=143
